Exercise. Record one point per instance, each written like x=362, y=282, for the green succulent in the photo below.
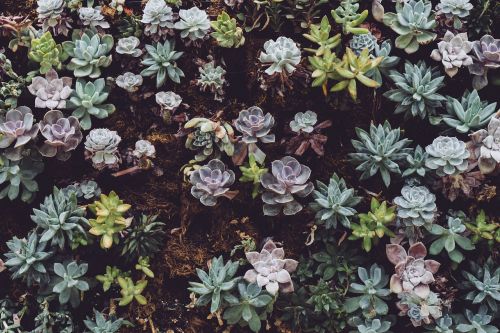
x=102, y=325
x=110, y=277
x=450, y=239
x=89, y=52
x=110, y=220
x=481, y=228
x=323, y=298
x=381, y=151
x=209, y=138
x=26, y=259
x=477, y=322
x=226, y=31
x=19, y=176
x=334, y=203
x=47, y=52
x=416, y=90
x=483, y=283
x=144, y=266
x=442, y=325
x=215, y=285
x=59, y=219
x=320, y=34
x=414, y=22
x=337, y=261
x=87, y=100
x=160, y=59
x=131, y=291
x=249, y=308
x=252, y=172
x=415, y=164
x=9, y=93
x=323, y=69
x=388, y=62
x=69, y=282
x=9, y=319
x=372, y=326
x=145, y=238
x=347, y=15
x=47, y=321
x=373, y=225
x=129, y=25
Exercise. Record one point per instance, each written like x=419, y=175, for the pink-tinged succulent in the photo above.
x=51, y=92
x=271, y=269
x=211, y=182
x=62, y=135
x=412, y=272
x=17, y=126
x=485, y=146
x=254, y=125
x=486, y=56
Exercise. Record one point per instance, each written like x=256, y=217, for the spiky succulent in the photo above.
x=381, y=150
x=477, y=322
x=193, y=23
x=212, y=79
x=416, y=90
x=51, y=92
x=486, y=56
x=18, y=177
x=420, y=310
x=102, y=325
x=347, y=15
x=101, y=146
x=47, y=52
x=451, y=239
x=416, y=206
x=453, y=52
x=129, y=46
x=70, y=282
x=226, y=31
x=62, y=135
x=483, y=284
x=415, y=164
x=320, y=35
x=280, y=56
x=487, y=146
x=212, y=181
x=129, y=81
x=131, y=291
x=89, y=53
x=158, y=19
x=414, y=22
x=362, y=41
x=209, y=138
x=447, y=155
x=161, y=62
x=144, y=237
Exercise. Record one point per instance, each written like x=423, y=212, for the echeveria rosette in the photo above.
x=18, y=177
x=193, y=23
x=51, y=92
x=482, y=283
x=168, y=100
x=92, y=16
x=280, y=56
x=158, y=19
x=486, y=144
x=453, y=52
x=458, y=8
x=304, y=122
x=447, y=155
x=362, y=41
x=18, y=127
x=416, y=206
x=62, y=135
x=129, y=81
x=486, y=55
x=101, y=146
x=47, y=52
x=161, y=62
x=129, y=46
x=212, y=181
x=69, y=282
x=477, y=322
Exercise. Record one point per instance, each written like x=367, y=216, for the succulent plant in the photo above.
x=373, y=326
x=442, y=325
x=209, y=138
x=373, y=225
x=486, y=142
x=129, y=45
x=416, y=93
x=416, y=206
x=87, y=100
x=486, y=56
x=414, y=22
x=92, y=16
x=451, y=239
x=226, y=31
x=337, y=261
x=144, y=238
x=62, y=135
x=386, y=65
x=279, y=56
x=270, y=269
x=193, y=23
x=160, y=59
x=144, y=148
x=447, y=155
x=455, y=10
x=144, y=266
x=453, y=52
x=47, y=52
x=17, y=128
x=129, y=81
x=483, y=284
x=212, y=79
x=323, y=298
x=252, y=173
x=51, y=92
x=477, y=322
x=69, y=282
x=26, y=259
x=413, y=274
x=89, y=53
x=101, y=145
x=9, y=319
x=379, y=151
x=420, y=310
x=483, y=228
x=216, y=285
x=110, y=220
x=158, y=19
x=51, y=15
x=109, y=277
x=102, y=325
x=304, y=122
x=415, y=164
x=248, y=308
x=362, y=41
x=131, y=291
x=347, y=15
x=18, y=177
x=324, y=69
x=87, y=189
x=212, y=181
x=320, y=34
x=288, y=178
x=168, y=100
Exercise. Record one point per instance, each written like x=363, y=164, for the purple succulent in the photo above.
x=17, y=126
x=486, y=56
x=288, y=178
x=254, y=125
x=271, y=269
x=51, y=92
x=62, y=135
x=212, y=181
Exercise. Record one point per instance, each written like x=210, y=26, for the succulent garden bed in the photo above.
x=239, y=166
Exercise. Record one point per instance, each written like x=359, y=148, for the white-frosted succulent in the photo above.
x=144, y=148
x=280, y=55
x=212, y=79
x=447, y=155
x=487, y=146
x=158, y=19
x=52, y=91
x=128, y=45
x=129, y=81
x=452, y=52
x=92, y=16
x=50, y=10
x=168, y=100
x=193, y=23
x=101, y=145
x=304, y=122
x=459, y=8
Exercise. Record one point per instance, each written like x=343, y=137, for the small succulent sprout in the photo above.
x=89, y=53
x=270, y=269
x=70, y=282
x=483, y=228
x=17, y=128
x=304, y=122
x=158, y=19
x=288, y=179
x=447, y=155
x=87, y=189
x=47, y=52
x=416, y=206
x=109, y=277
x=212, y=181
x=144, y=148
x=193, y=23
x=487, y=146
x=482, y=283
x=453, y=52
x=92, y=16
x=212, y=79
x=486, y=56
x=226, y=31
x=101, y=145
x=320, y=35
x=129, y=81
x=413, y=274
x=420, y=310
x=144, y=266
x=131, y=291
x=252, y=173
x=161, y=62
x=168, y=100
x=416, y=93
x=129, y=46
x=362, y=41
x=415, y=163
x=451, y=239
x=414, y=22
x=372, y=326
x=477, y=322
x=88, y=100
x=62, y=135
x=280, y=56
x=51, y=92
x=18, y=177
x=101, y=324
x=209, y=138
x=347, y=15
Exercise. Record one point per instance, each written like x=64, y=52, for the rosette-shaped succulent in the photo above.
x=412, y=272
x=158, y=19
x=50, y=14
x=447, y=155
x=89, y=52
x=129, y=81
x=414, y=22
x=193, y=23
x=51, y=92
x=128, y=45
x=486, y=56
x=18, y=126
x=416, y=206
x=212, y=181
x=62, y=135
x=144, y=148
x=416, y=93
x=280, y=55
x=364, y=41
x=160, y=60
x=420, y=310
x=101, y=145
x=212, y=79
x=45, y=51
x=415, y=163
x=92, y=16
x=304, y=122
x=19, y=177
x=487, y=144
x=271, y=269
x=388, y=62
x=226, y=31
x=209, y=138
x=254, y=125
x=87, y=99
x=168, y=100
x=453, y=52
x=458, y=8
x=288, y=178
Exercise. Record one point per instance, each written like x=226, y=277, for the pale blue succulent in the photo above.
x=18, y=178
x=416, y=206
x=161, y=62
x=447, y=155
x=70, y=282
